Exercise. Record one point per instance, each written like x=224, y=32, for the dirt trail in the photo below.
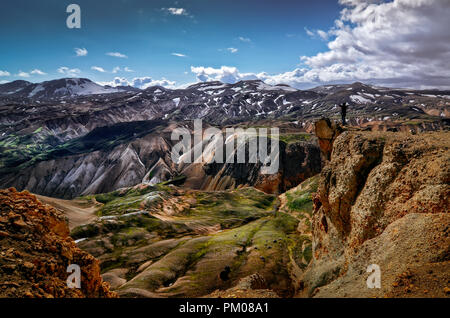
x=78, y=212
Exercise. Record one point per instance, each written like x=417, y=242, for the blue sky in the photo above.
x=251, y=38
x=36, y=36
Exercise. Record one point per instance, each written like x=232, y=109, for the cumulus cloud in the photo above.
x=177, y=12
x=145, y=82
x=4, y=73
x=232, y=49
x=226, y=74
x=73, y=72
x=98, y=69
x=140, y=82
x=38, y=72
x=117, y=81
x=229, y=74
x=23, y=74
x=398, y=43
x=117, y=54
x=402, y=43
x=81, y=52
x=118, y=69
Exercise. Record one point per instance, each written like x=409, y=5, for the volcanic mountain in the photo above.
x=86, y=132
x=65, y=87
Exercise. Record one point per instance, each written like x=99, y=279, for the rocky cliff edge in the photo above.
x=383, y=200
x=36, y=249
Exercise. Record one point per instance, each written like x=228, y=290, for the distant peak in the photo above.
x=359, y=84
x=18, y=82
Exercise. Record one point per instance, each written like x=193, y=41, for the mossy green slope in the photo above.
x=173, y=242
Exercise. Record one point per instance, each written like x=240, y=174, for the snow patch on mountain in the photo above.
x=266, y=87
x=359, y=99
x=78, y=87
x=36, y=90
x=176, y=101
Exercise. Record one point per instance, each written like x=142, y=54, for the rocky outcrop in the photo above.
x=326, y=132
x=384, y=200
x=36, y=250
x=298, y=161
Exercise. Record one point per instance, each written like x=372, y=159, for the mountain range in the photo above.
x=101, y=138
x=221, y=103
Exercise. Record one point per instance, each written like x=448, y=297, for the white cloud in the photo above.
x=117, y=81
x=323, y=35
x=98, y=69
x=4, y=73
x=232, y=49
x=73, y=72
x=309, y=32
x=176, y=11
x=401, y=43
x=320, y=33
x=178, y=54
x=38, y=72
x=140, y=82
x=145, y=82
x=23, y=74
x=244, y=39
x=229, y=74
x=81, y=52
x=4, y=82
x=118, y=69
x=224, y=74
x=117, y=54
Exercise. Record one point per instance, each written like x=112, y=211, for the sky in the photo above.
x=398, y=43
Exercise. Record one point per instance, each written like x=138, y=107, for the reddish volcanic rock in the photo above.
x=384, y=199
x=326, y=132
x=36, y=250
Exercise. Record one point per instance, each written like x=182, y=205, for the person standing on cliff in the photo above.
x=343, y=107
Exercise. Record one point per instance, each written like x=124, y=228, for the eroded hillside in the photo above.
x=164, y=241
x=127, y=154
x=384, y=200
